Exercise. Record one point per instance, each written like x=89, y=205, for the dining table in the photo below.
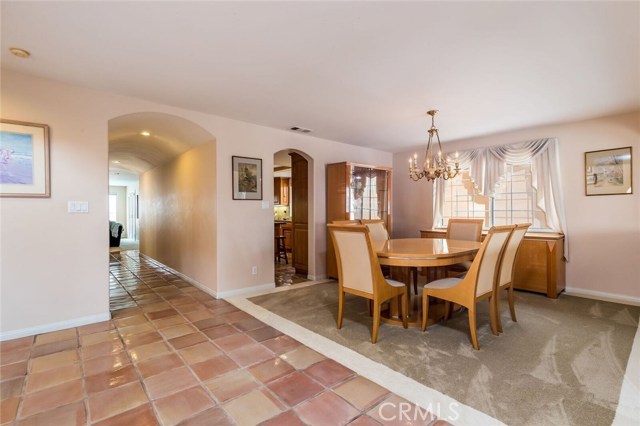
x=404, y=253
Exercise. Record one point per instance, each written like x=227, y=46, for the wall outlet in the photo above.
x=254, y=270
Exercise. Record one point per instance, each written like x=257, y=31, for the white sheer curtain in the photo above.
x=488, y=165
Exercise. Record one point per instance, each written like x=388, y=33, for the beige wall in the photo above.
x=54, y=265
x=604, y=231
x=178, y=214
x=121, y=206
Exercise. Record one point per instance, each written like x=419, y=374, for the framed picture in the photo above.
x=247, y=178
x=608, y=172
x=24, y=159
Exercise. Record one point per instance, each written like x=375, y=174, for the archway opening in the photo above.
x=165, y=161
x=293, y=196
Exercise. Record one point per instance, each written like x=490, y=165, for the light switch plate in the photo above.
x=78, y=207
x=265, y=204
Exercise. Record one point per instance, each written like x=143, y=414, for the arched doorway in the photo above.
x=293, y=184
x=175, y=192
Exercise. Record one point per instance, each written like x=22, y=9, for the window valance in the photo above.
x=487, y=166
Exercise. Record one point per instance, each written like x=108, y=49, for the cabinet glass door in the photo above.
x=368, y=198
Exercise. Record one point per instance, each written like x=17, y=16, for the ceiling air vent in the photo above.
x=300, y=129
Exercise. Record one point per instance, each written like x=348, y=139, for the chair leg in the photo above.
x=472, y=327
x=447, y=310
x=512, y=306
x=493, y=317
x=498, y=317
x=405, y=309
x=376, y=322
x=425, y=310
x=340, y=308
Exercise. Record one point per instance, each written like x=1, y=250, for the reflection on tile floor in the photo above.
x=173, y=355
x=286, y=273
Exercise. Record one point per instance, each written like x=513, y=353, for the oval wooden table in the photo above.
x=421, y=252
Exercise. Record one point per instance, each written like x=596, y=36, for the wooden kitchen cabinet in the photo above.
x=281, y=191
x=286, y=231
x=540, y=265
x=356, y=191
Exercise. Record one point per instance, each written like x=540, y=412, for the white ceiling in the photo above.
x=363, y=73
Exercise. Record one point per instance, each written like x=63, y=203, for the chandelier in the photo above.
x=435, y=165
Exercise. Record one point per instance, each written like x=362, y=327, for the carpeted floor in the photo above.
x=562, y=363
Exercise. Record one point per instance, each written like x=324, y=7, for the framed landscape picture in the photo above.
x=247, y=178
x=608, y=172
x=24, y=159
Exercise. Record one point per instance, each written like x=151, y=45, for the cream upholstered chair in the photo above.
x=359, y=273
x=479, y=283
x=507, y=270
x=464, y=229
x=346, y=222
x=467, y=230
x=377, y=230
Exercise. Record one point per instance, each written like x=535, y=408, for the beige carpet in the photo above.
x=562, y=363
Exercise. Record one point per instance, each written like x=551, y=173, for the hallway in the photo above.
x=174, y=355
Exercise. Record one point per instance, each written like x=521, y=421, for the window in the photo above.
x=113, y=201
x=514, y=200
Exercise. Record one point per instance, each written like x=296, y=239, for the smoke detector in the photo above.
x=300, y=129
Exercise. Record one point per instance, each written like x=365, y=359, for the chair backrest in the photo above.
x=465, y=229
x=484, y=269
x=377, y=230
x=509, y=257
x=345, y=222
x=357, y=263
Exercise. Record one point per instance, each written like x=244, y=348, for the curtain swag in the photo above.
x=487, y=166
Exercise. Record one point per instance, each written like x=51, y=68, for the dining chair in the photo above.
x=377, y=230
x=346, y=222
x=467, y=230
x=359, y=273
x=479, y=283
x=464, y=229
x=508, y=270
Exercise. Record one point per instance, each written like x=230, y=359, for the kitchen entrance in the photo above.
x=290, y=213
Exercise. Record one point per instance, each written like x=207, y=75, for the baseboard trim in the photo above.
x=601, y=295
x=188, y=279
x=246, y=291
x=318, y=277
x=214, y=293
x=54, y=326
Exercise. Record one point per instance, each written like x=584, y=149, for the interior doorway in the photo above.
x=291, y=217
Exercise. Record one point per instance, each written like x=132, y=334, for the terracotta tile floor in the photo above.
x=173, y=355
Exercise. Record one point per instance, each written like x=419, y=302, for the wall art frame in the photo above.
x=24, y=159
x=247, y=178
x=609, y=171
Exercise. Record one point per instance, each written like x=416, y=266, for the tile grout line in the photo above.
x=384, y=376
x=152, y=402
x=262, y=386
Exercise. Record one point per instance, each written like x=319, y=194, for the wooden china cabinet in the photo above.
x=356, y=191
